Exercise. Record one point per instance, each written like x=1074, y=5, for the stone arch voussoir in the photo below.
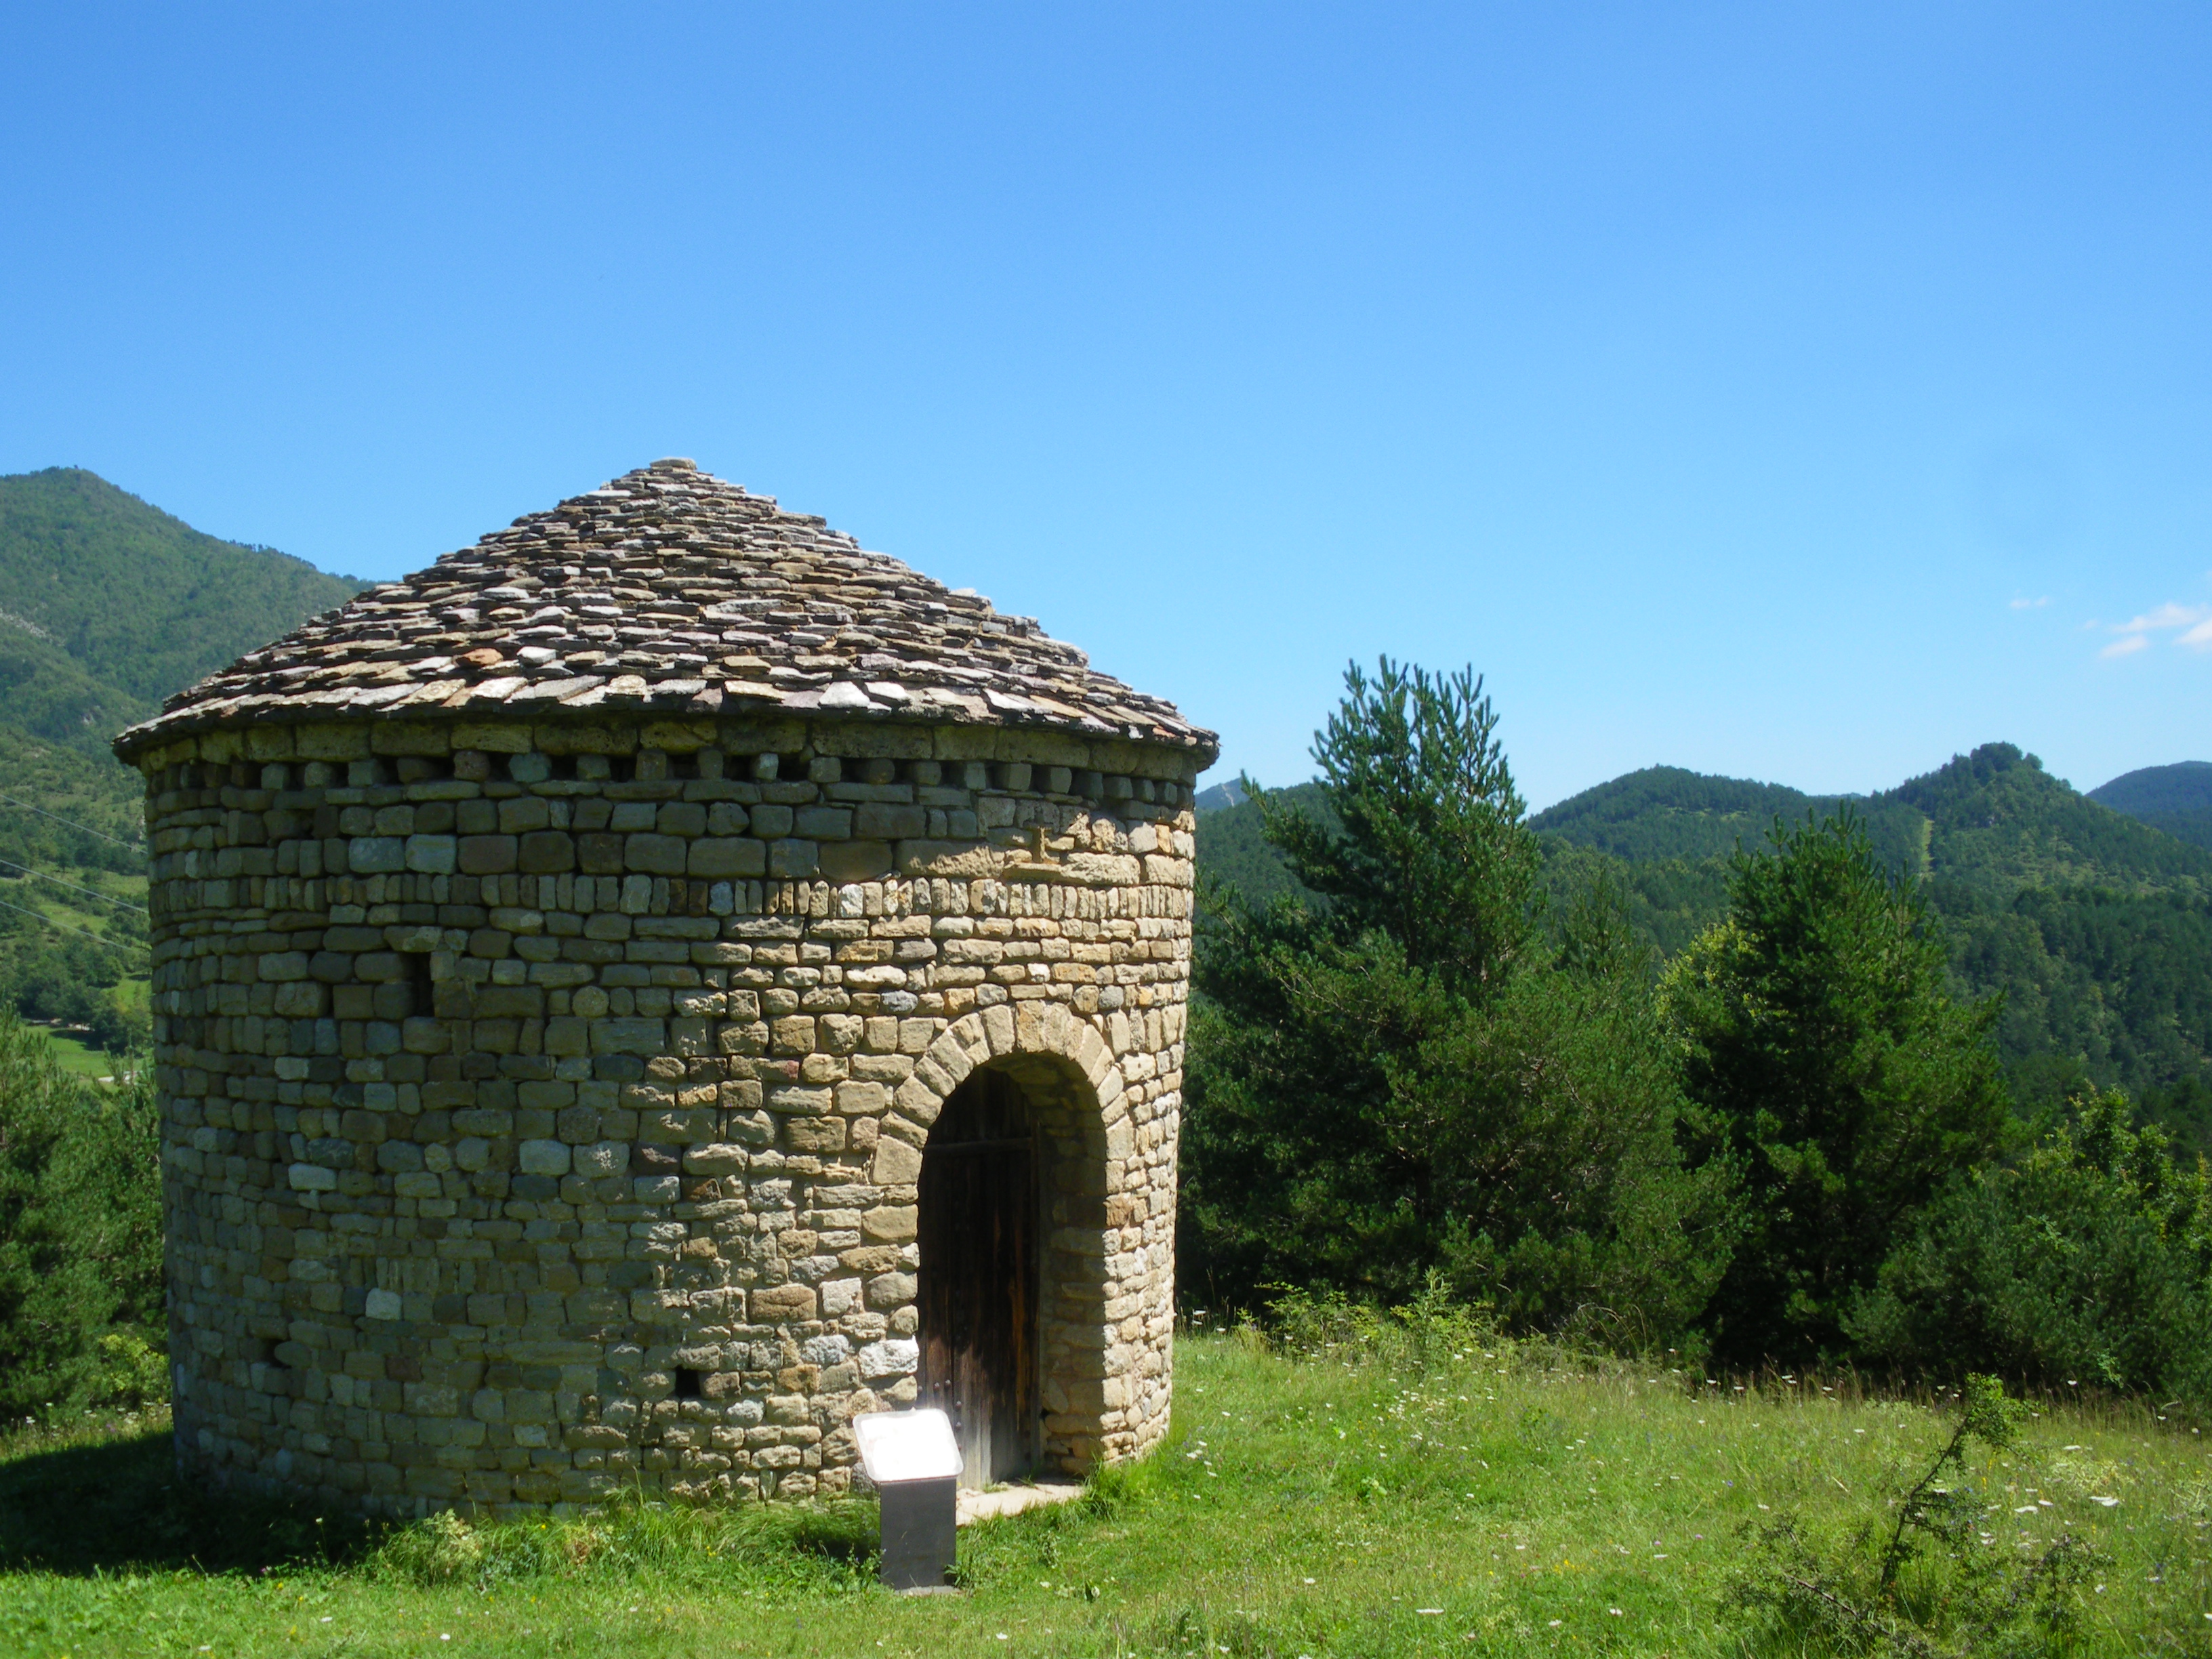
x=1045, y=1031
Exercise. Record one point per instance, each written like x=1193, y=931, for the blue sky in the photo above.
x=1799, y=393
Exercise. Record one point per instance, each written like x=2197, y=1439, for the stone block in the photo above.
x=889, y=1223
x=430, y=856
x=782, y=1304
x=755, y=1129
x=547, y=852
x=791, y=861
x=798, y=1098
x=896, y=1163
x=889, y=1291
x=486, y=856
x=814, y=1134
x=681, y=818
x=889, y=821
x=854, y=861
x=862, y=1098
x=717, y=1159
x=823, y=823
x=368, y=856
x=629, y=1036
x=879, y=1362
x=303, y=1001
x=681, y=1127
x=655, y=855
x=509, y=1002
x=543, y=1157
x=602, y=1157
x=726, y=856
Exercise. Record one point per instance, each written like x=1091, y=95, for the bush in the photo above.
x=79, y=1233
x=2086, y=1262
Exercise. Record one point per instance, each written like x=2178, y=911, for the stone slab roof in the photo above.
x=673, y=591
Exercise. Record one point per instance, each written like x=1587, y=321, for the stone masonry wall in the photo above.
x=632, y=1198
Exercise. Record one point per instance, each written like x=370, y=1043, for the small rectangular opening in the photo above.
x=689, y=1383
x=421, y=994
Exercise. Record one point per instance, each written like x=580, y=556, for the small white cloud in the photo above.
x=2195, y=621
x=2031, y=605
x=2168, y=615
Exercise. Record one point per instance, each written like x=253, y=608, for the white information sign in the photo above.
x=901, y=1446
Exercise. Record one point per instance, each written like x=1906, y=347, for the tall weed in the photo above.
x=1926, y=1579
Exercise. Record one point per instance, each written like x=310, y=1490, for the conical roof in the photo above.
x=672, y=590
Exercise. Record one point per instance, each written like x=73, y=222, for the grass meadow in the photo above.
x=1365, y=1495
x=77, y=1055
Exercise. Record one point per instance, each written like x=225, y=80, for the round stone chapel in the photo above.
x=647, y=988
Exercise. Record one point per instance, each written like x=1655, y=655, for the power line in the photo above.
x=109, y=897
x=134, y=846
x=97, y=939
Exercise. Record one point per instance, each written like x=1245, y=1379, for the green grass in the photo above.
x=77, y=1055
x=1498, y=1501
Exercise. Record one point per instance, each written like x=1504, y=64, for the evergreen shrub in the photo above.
x=80, y=1314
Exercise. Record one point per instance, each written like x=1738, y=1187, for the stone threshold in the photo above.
x=976, y=1506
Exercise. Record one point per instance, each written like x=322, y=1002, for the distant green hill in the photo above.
x=2096, y=926
x=2176, y=798
x=107, y=606
x=1232, y=849
x=1666, y=812
x=1998, y=820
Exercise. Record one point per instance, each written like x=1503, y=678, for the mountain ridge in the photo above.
x=2177, y=798
x=2094, y=925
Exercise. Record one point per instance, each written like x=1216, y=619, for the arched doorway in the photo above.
x=977, y=1294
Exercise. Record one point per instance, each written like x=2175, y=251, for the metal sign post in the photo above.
x=915, y=1463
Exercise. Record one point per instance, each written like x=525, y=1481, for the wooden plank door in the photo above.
x=977, y=1295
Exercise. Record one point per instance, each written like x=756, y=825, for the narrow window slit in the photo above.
x=422, y=992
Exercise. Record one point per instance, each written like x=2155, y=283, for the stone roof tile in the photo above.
x=670, y=587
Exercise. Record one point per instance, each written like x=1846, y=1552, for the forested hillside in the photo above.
x=107, y=606
x=2096, y=926
x=1664, y=812
x=1999, y=821
x=122, y=605
x=2176, y=798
